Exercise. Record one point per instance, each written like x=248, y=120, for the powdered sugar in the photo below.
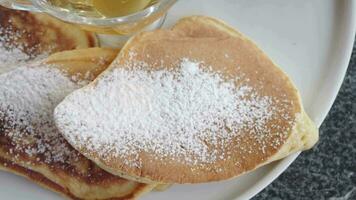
x=187, y=114
x=28, y=96
x=12, y=52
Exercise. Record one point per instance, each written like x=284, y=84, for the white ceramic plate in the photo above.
x=310, y=39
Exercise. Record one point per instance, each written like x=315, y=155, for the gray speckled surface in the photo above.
x=328, y=171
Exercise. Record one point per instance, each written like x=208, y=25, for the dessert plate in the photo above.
x=311, y=40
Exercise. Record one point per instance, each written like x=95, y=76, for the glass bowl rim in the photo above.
x=75, y=18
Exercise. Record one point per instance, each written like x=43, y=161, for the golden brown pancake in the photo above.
x=26, y=36
x=30, y=144
x=270, y=122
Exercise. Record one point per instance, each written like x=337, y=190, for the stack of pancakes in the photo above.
x=30, y=143
x=197, y=103
x=32, y=147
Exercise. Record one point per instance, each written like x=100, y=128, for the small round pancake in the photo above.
x=167, y=141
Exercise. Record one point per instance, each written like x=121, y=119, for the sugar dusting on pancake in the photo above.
x=30, y=144
x=28, y=96
x=13, y=52
x=149, y=60
x=189, y=114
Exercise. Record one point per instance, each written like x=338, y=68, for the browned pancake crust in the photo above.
x=47, y=183
x=81, y=168
x=33, y=176
x=40, y=33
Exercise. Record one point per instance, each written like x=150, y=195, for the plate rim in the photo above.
x=348, y=44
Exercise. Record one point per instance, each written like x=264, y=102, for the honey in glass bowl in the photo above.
x=118, y=17
x=102, y=8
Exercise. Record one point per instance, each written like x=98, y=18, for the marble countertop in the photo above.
x=328, y=171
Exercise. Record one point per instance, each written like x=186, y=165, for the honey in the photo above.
x=102, y=8
x=102, y=16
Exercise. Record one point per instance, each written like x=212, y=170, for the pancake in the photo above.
x=26, y=36
x=197, y=103
x=30, y=144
